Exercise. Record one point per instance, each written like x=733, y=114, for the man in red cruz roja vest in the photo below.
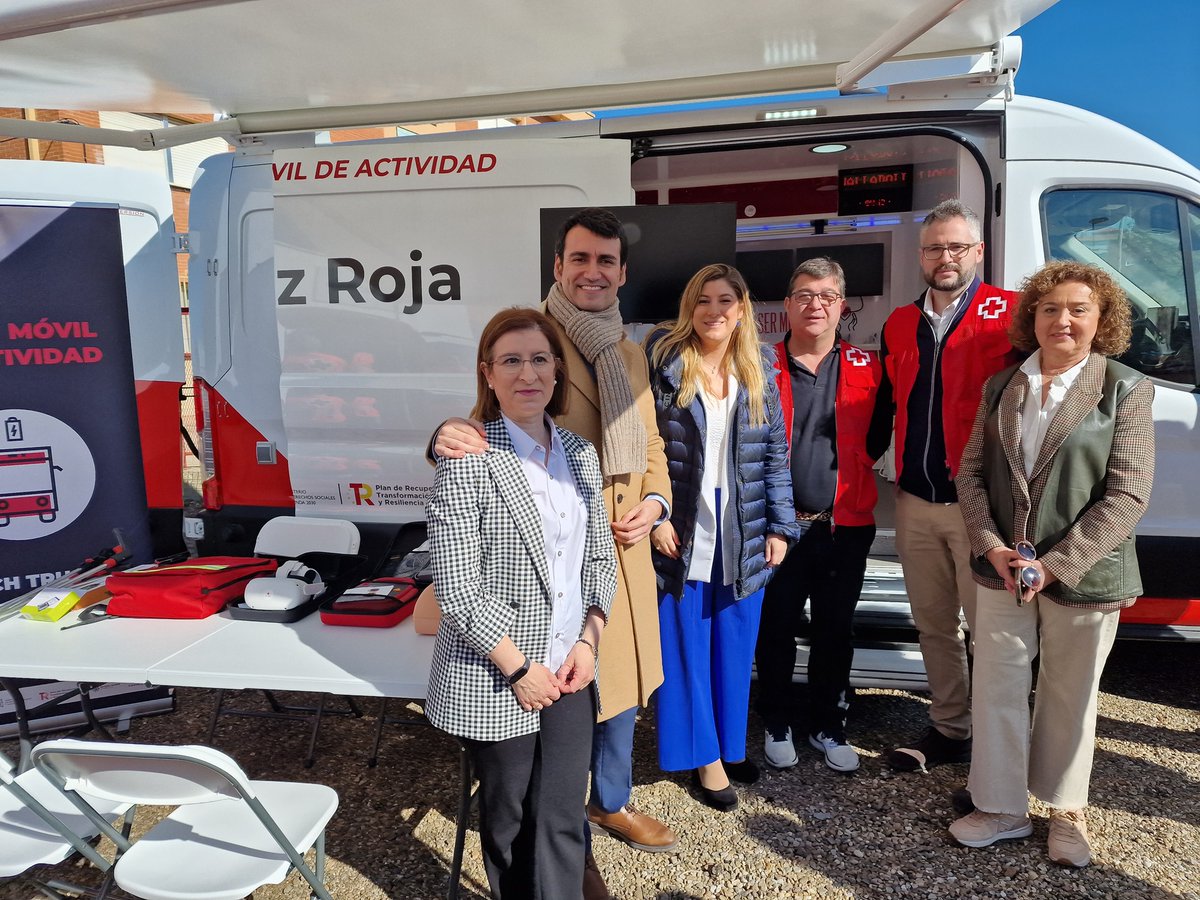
x=937, y=353
x=827, y=394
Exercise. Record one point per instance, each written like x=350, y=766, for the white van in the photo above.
x=852, y=176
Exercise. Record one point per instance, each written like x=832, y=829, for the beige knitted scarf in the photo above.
x=596, y=336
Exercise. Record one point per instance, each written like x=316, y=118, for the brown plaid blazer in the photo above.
x=1104, y=524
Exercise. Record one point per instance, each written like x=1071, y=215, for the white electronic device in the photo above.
x=292, y=584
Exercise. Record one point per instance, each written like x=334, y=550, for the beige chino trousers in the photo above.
x=935, y=554
x=1053, y=760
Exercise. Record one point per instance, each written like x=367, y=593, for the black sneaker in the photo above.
x=933, y=749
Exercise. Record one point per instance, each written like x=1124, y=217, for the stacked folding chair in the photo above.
x=39, y=826
x=227, y=837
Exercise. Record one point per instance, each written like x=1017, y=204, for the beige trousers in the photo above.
x=1054, y=760
x=935, y=554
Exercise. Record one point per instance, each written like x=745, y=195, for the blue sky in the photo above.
x=1134, y=61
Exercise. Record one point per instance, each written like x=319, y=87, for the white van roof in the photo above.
x=276, y=64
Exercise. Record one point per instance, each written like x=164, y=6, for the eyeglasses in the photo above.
x=824, y=299
x=512, y=365
x=957, y=251
x=1027, y=576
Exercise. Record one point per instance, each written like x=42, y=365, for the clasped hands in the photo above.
x=540, y=687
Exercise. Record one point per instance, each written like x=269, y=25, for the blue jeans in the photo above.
x=612, y=761
x=612, y=766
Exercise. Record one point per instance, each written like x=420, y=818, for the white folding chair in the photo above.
x=228, y=835
x=39, y=826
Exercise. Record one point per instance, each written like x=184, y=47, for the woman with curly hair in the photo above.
x=1056, y=475
x=731, y=520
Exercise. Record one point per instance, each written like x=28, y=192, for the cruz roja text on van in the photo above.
x=387, y=284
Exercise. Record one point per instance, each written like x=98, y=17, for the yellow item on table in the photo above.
x=50, y=605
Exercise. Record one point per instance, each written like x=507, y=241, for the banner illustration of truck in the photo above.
x=47, y=475
x=27, y=484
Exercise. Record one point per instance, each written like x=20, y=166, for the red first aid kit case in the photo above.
x=191, y=589
x=380, y=603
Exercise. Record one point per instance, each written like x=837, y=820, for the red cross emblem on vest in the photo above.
x=857, y=357
x=992, y=307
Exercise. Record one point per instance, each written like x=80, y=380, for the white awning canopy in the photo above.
x=288, y=64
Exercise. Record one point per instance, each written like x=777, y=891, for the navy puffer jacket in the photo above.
x=762, y=488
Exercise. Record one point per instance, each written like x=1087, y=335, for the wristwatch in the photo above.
x=520, y=673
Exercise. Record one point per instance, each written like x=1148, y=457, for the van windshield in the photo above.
x=1137, y=237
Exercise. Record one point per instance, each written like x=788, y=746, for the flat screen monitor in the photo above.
x=767, y=271
x=667, y=245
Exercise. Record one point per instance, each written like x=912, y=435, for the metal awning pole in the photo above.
x=892, y=41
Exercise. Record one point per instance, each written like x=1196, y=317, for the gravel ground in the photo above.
x=808, y=832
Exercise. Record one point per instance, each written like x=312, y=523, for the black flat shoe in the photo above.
x=724, y=800
x=744, y=772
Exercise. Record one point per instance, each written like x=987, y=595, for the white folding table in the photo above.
x=227, y=653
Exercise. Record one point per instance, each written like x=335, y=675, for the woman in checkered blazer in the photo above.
x=525, y=569
x=1055, y=476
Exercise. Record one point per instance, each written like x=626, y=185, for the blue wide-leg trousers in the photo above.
x=708, y=640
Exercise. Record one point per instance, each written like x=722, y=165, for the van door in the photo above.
x=389, y=260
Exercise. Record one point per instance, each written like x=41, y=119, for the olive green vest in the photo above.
x=1075, y=481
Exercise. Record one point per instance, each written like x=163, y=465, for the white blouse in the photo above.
x=1036, y=416
x=564, y=530
x=719, y=422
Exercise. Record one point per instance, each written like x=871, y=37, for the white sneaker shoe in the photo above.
x=982, y=829
x=1068, y=839
x=779, y=749
x=839, y=755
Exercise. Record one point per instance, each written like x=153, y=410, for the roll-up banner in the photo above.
x=390, y=259
x=70, y=458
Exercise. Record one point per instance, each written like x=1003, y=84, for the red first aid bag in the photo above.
x=379, y=603
x=191, y=589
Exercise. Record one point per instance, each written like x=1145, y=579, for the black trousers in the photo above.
x=531, y=789
x=826, y=566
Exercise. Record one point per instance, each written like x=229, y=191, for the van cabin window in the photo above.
x=1139, y=238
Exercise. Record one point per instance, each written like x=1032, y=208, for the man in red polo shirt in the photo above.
x=827, y=393
x=937, y=353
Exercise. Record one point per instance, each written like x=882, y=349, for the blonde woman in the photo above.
x=731, y=519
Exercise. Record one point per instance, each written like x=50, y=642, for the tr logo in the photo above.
x=857, y=357
x=992, y=307
x=362, y=494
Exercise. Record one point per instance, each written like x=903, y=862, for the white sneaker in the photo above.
x=839, y=755
x=982, y=829
x=1068, y=839
x=779, y=749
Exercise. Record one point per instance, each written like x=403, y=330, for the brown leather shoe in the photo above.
x=593, y=881
x=634, y=828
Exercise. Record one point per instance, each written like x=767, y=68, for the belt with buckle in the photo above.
x=823, y=516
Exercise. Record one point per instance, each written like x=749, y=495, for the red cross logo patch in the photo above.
x=857, y=357
x=992, y=307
